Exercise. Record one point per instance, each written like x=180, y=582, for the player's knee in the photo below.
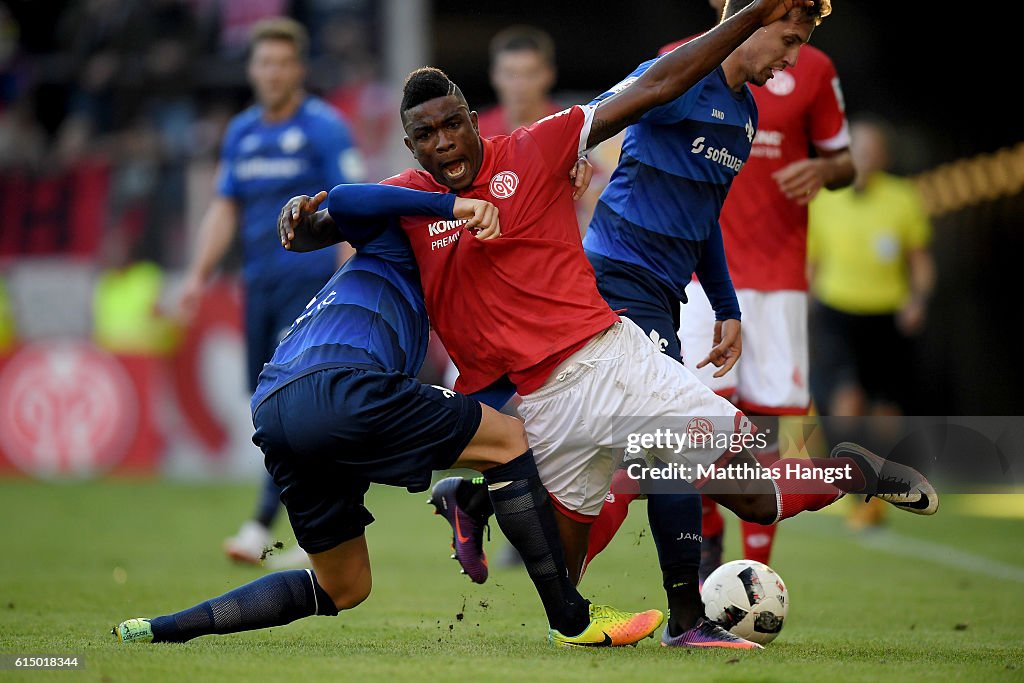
x=344, y=594
x=351, y=595
x=516, y=441
x=509, y=441
x=761, y=509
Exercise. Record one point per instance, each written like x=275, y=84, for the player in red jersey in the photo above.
x=526, y=307
x=522, y=75
x=764, y=226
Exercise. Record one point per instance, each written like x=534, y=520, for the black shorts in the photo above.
x=861, y=350
x=327, y=436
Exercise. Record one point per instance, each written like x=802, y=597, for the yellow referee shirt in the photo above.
x=858, y=243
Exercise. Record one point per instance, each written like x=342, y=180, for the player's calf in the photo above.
x=272, y=600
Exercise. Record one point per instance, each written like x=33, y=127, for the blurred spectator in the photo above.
x=871, y=275
x=522, y=74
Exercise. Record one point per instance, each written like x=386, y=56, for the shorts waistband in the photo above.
x=575, y=367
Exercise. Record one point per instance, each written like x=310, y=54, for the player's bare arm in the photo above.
x=216, y=232
x=802, y=180
x=679, y=70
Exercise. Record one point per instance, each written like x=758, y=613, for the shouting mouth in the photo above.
x=454, y=170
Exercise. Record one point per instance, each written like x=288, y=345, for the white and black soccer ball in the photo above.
x=747, y=598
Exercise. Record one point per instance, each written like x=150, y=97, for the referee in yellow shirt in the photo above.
x=871, y=275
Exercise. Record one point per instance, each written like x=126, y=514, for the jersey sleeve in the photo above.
x=562, y=137
x=671, y=112
x=713, y=272
x=362, y=211
x=340, y=160
x=829, y=130
x=407, y=178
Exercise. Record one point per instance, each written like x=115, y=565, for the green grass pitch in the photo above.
x=927, y=599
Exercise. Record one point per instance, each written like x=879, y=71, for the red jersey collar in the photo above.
x=483, y=176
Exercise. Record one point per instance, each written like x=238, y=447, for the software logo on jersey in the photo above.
x=720, y=155
x=504, y=184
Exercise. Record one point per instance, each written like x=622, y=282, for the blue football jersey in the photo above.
x=370, y=314
x=263, y=165
x=660, y=209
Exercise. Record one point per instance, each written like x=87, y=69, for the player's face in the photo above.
x=776, y=47
x=522, y=78
x=442, y=134
x=276, y=72
x=868, y=148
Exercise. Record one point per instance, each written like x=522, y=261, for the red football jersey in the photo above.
x=492, y=121
x=521, y=303
x=766, y=233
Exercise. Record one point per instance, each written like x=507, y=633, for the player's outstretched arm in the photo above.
x=359, y=212
x=680, y=69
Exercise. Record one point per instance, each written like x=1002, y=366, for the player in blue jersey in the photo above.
x=288, y=143
x=325, y=413
x=656, y=225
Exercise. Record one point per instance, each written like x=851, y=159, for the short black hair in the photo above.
x=427, y=83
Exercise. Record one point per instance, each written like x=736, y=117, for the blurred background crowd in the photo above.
x=112, y=114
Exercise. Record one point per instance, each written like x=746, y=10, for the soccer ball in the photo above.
x=747, y=598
